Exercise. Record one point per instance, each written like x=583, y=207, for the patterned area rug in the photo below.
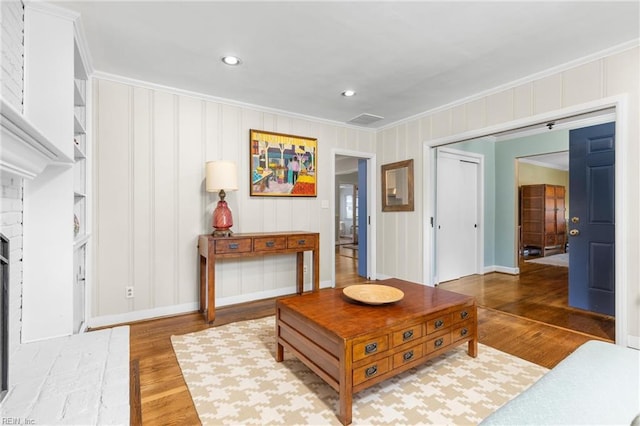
x=561, y=259
x=233, y=379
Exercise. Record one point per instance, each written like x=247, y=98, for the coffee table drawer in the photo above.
x=461, y=332
x=240, y=245
x=370, y=347
x=463, y=314
x=437, y=343
x=407, y=355
x=370, y=371
x=438, y=323
x=407, y=334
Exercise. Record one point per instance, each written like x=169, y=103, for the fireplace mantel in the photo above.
x=25, y=150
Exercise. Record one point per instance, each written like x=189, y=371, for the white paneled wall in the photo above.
x=150, y=149
x=12, y=49
x=613, y=75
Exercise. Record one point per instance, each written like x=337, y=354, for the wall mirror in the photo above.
x=397, y=186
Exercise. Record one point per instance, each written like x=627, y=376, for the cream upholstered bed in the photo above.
x=598, y=384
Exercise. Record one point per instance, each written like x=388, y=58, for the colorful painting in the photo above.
x=283, y=165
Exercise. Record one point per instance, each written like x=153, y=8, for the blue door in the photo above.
x=592, y=218
x=363, y=217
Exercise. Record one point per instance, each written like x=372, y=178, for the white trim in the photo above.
x=620, y=103
x=128, y=317
x=600, y=117
x=25, y=150
x=186, y=308
x=230, y=102
x=542, y=164
x=633, y=341
x=51, y=9
x=501, y=269
x=372, y=190
x=513, y=84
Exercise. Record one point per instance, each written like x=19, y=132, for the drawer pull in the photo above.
x=302, y=242
x=464, y=314
x=233, y=246
x=270, y=244
x=407, y=356
x=371, y=371
x=439, y=323
x=464, y=332
x=371, y=348
x=407, y=335
x=438, y=343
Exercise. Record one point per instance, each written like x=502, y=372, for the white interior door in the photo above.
x=457, y=216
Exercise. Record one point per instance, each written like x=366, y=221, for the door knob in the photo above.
x=574, y=232
x=575, y=219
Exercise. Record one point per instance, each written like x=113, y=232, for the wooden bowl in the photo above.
x=373, y=294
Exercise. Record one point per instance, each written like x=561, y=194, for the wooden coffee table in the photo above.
x=353, y=346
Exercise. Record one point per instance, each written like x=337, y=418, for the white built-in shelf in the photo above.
x=79, y=87
x=78, y=127
x=77, y=152
x=81, y=240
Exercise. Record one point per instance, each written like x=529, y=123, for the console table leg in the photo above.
x=211, y=290
x=300, y=272
x=203, y=283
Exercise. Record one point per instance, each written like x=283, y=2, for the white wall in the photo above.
x=612, y=75
x=150, y=146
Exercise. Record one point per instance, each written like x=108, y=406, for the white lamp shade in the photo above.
x=221, y=175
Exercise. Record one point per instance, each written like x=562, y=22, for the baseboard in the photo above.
x=501, y=269
x=381, y=277
x=633, y=341
x=109, y=320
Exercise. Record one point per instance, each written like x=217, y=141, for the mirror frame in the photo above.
x=408, y=206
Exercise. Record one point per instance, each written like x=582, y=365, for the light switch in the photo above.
x=324, y=204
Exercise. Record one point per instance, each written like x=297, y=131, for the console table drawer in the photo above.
x=370, y=347
x=463, y=314
x=370, y=371
x=269, y=244
x=240, y=245
x=302, y=241
x=437, y=343
x=438, y=323
x=407, y=355
x=406, y=334
x=461, y=332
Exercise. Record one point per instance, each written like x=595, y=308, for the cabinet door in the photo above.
x=550, y=216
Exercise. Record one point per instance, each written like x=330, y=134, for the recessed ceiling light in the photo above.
x=231, y=60
x=349, y=93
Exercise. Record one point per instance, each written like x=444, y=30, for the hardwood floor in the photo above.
x=165, y=399
x=539, y=293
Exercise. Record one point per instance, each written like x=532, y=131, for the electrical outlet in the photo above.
x=128, y=292
x=305, y=269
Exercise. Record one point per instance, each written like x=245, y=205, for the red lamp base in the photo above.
x=222, y=220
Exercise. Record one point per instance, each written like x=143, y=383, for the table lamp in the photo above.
x=221, y=176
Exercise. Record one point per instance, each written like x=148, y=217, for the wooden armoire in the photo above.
x=542, y=218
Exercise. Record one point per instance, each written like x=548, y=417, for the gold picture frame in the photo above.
x=397, y=186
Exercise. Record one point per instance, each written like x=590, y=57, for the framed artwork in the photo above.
x=397, y=186
x=282, y=165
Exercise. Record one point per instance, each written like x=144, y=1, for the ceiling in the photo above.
x=402, y=58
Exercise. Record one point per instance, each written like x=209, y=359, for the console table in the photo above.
x=211, y=248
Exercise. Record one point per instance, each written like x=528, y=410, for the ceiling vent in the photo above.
x=364, y=119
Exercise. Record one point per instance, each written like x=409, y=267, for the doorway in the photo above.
x=504, y=236
x=354, y=215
